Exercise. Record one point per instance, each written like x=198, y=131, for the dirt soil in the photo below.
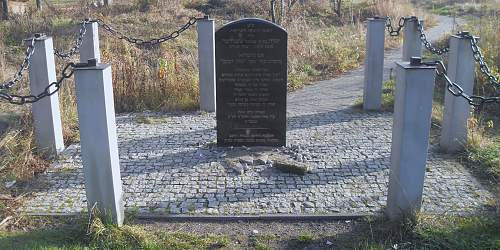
x=324, y=234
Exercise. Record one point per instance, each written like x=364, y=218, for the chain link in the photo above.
x=401, y=23
x=428, y=45
x=396, y=31
x=69, y=68
x=151, y=42
x=457, y=90
x=30, y=50
x=48, y=91
x=477, y=53
x=78, y=42
x=479, y=58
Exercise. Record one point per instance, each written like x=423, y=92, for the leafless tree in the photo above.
x=337, y=7
x=5, y=9
x=285, y=6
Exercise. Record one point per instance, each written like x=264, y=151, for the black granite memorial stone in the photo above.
x=251, y=75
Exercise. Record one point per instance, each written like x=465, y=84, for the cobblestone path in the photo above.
x=172, y=166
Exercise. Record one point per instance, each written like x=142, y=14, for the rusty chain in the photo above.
x=78, y=42
x=48, y=91
x=150, y=42
x=24, y=65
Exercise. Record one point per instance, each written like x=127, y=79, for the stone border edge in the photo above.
x=227, y=218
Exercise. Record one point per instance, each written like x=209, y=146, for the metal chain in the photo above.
x=428, y=45
x=456, y=90
x=396, y=31
x=30, y=50
x=151, y=42
x=78, y=42
x=479, y=58
x=477, y=53
x=48, y=91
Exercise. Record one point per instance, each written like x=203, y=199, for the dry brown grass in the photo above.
x=165, y=78
x=321, y=45
x=16, y=151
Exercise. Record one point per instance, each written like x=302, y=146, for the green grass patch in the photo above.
x=190, y=241
x=431, y=232
x=444, y=10
x=460, y=232
x=388, y=92
x=63, y=23
x=305, y=237
x=486, y=157
x=422, y=232
x=104, y=236
x=64, y=238
x=262, y=242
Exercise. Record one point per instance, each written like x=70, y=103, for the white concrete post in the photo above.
x=410, y=137
x=412, y=45
x=99, y=147
x=461, y=67
x=206, y=58
x=90, y=43
x=374, y=64
x=46, y=113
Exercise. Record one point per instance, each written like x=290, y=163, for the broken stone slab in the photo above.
x=289, y=166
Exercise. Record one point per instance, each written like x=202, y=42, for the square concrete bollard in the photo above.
x=461, y=66
x=410, y=137
x=90, y=43
x=412, y=45
x=206, y=58
x=99, y=147
x=374, y=64
x=46, y=113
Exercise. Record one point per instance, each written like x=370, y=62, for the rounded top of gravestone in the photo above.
x=245, y=21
